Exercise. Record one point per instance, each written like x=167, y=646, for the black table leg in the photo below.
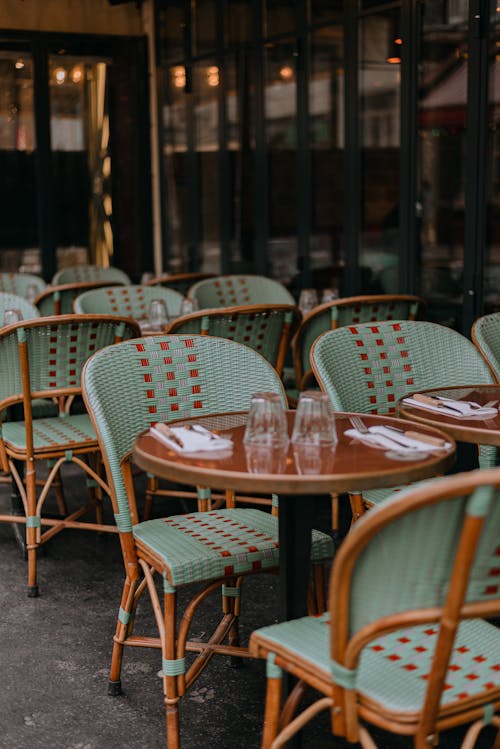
x=467, y=457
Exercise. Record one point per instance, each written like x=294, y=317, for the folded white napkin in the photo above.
x=460, y=409
x=195, y=439
x=388, y=439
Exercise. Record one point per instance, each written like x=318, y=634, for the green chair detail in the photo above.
x=205, y=375
x=43, y=358
x=14, y=301
x=81, y=273
x=347, y=311
x=59, y=300
x=406, y=646
x=180, y=282
x=130, y=301
x=236, y=290
x=18, y=283
x=486, y=338
x=267, y=328
x=367, y=367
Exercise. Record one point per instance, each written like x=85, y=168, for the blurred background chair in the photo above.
x=206, y=376
x=131, y=301
x=406, y=646
x=236, y=290
x=347, y=311
x=26, y=285
x=366, y=368
x=59, y=300
x=486, y=338
x=267, y=328
x=80, y=273
x=43, y=358
x=13, y=301
x=181, y=282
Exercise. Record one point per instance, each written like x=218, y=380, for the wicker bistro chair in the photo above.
x=347, y=311
x=405, y=646
x=367, y=368
x=17, y=283
x=236, y=290
x=59, y=300
x=267, y=328
x=43, y=358
x=486, y=338
x=132, y=301
x=81, y=273
x=180, y=282
x=166, y=376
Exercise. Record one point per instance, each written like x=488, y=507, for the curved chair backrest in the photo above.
x=267, y=328
x=486, y=337
x=80, y=273
x=205, y=375
x=132, y=301
x=53, y=350
x=348, y=311
x=181, y=282
x=231, y=291
x=13, y=301
x=368, y=367
x=17, y=283
x=59, y=300
x=417, y=560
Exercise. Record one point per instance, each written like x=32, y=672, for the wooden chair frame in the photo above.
x=350, y=709
x=68, y=291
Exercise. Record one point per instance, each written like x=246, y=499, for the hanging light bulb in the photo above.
x=213, y=75
x=60, y=75
x=76, y=74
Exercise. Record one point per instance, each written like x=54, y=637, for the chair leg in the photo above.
x=357, y=505
x=170, y=682
x=272, y=706
x=32, y=529
x=123, y=626
x=151, y=489
x=319, y=592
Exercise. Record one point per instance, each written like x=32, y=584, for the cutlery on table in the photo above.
x=363, y=429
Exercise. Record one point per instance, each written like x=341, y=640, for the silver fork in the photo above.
x=358, y=424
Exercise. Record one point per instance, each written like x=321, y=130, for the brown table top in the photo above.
x=475, y=430
x=352, y=465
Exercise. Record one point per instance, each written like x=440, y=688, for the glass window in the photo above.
x=171, y=30
x=491, y=277
x=325, y=10
x=238, y=21
x=379, y=82
x=205, y=26
x=280, y=17
x=281, y=134
x=441, y=139
x=18, y=204
x=326, y=112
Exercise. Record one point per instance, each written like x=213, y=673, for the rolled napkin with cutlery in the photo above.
x=392, y=438
x=460, y=409
x=190, y=439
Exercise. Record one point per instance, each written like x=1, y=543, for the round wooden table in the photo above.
x=296, y=475
x=475, y=430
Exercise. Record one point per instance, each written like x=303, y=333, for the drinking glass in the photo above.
x=328, y=295
x=308, y=299
x=189, y=305
x=11, y=316
x=311, y=459
x=267, y=422
x=146, y=277
x=31, y=292
x=314, y=420
x=158, y=314
x=265, y=459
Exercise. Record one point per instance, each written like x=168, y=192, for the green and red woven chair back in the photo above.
x=17, y=283
x=14, y=301
x=486, y=336
x=236, y=290
x=80, y=273
x=128, y=301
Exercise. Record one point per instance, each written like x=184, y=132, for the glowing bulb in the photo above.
x=213, y=75
x=60, y=75
x=19, y=64
x=76, y=75
x=179, y=76
x=286, y=72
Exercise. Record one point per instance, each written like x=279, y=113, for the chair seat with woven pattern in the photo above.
x=406, y=645
x=74, y=431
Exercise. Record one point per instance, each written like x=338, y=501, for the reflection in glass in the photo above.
x=18, y=225
x=280, y=17
x=491, y=271
x=324, y=10
x=171, y=30
x=265, y=459
x=238, y=21
x=379, y=110
x=309, y=459
x=204, y=26
x=326, y=113
x=442, y=137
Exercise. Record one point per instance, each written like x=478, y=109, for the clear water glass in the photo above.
x=189, y=305
x=11, y=316
x=31, y=292
x=158, y=314
x=308, y=300
x=314, y=422
x=146, y=277
x=265, y=459
x=328, y=295
x=267, y=423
